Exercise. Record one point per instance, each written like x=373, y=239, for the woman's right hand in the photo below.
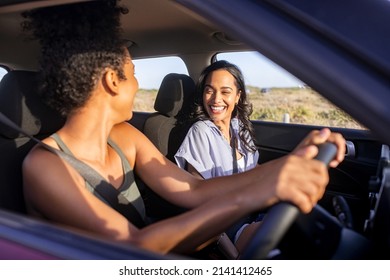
x=316, y=137
x=296, y=179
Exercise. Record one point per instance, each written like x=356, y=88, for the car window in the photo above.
x=278, y=96
x=3, y=71
x=149, y=73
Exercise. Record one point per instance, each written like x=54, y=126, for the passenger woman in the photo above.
x=221, y=142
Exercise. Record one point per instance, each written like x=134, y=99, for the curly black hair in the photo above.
x=242, y=110
x=78, y=41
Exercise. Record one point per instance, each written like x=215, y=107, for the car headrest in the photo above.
x=176, y=92
x=20, y=102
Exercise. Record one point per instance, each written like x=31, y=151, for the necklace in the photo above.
x=227, y=138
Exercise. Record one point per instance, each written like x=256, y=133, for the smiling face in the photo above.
x=220, y=95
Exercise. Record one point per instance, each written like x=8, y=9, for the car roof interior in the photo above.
x=159, y=30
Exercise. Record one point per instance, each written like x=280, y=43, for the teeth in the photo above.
x=215, y=108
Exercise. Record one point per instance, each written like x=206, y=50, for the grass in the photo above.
x=302, y=105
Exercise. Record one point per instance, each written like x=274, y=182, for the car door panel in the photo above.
x=349, y=180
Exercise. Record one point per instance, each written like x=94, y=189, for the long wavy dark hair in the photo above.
x=78, y=42
x=242, y=110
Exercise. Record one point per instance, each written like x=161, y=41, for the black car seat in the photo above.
x=19, y=101
x=167, y=128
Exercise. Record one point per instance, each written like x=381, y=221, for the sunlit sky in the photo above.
x=258, y=70
x=2, y=72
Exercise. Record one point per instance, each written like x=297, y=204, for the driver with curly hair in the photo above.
x=88, y=76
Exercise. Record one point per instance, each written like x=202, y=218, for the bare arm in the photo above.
x=193, y=171
x=183, y=189
x=60, y=196
x=278, y=179
x=57, y=191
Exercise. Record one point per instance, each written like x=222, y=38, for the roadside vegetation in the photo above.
x=296, y=105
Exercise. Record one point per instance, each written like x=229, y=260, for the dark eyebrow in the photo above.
x=225, y=87
x=207, y=85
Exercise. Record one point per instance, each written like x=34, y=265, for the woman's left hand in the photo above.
x=314, y=138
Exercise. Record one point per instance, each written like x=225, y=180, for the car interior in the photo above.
x=351, y=220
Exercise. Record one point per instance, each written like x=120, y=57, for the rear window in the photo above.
x=149, y=73
x=3, y=71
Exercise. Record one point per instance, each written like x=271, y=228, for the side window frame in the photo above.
x=149, y=73
x=3, y=71
x=292, y=102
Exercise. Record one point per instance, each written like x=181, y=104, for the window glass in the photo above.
x=2, y=72
x=278, y=96
x=149, y=73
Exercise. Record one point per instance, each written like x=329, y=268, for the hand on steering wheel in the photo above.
x=280, y=217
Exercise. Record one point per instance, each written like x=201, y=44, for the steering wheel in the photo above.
x=279, y=218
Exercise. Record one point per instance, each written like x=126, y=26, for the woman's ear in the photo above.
x=110, y=81
x=238, y=96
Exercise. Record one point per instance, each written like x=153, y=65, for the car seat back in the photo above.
x=20, y=102
x=167, y=127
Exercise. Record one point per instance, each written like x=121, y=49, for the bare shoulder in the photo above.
x=41, y=168
x=134, y=143
x=50, y=181
x=127, y=136
x=124, y=130
x=38, y=154
x=125, y=126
